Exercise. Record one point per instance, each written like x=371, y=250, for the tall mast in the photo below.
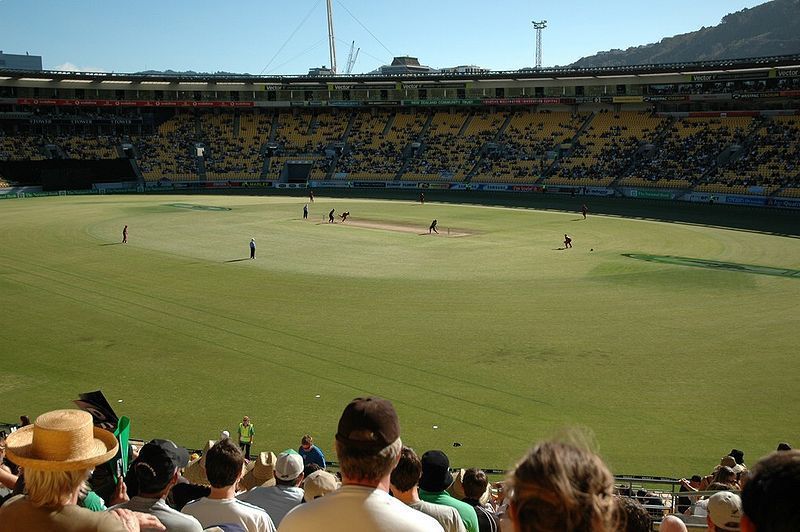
x=331, y=38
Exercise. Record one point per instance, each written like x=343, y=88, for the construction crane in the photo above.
x=351, y=58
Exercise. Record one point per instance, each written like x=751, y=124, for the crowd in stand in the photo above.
x=632, y=148
x=59, y=474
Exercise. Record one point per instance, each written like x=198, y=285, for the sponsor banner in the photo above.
x=526, y=188
x=127, y=103
x=520, y=101
x=273, y=104
x=291, y=185
x=369, y=184
x=731, y=75
x=745, y=200
x=627, y=99
x=460, y=186
x=755, y=95
x=256, y=184
x=394, y=184
x=649, y=194
x=329, y=184
x=383, y=102
x=40, y=121
x=344, y=103
x=435, y=186
x=709, y=97
x=598, y=191
x=784, y=202
x=441, y=101
x=794, y=73
x=789, y=94
x=666, y=98
x=490, y=186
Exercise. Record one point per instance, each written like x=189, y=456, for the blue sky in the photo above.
x=247, y=35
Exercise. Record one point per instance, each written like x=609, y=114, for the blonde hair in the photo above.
x=53, y=488
x=562, y=487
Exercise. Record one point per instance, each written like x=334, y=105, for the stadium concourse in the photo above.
x=380, y=483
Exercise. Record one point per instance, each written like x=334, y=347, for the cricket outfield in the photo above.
x=672, y=342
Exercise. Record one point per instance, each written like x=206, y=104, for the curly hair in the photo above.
x=561, y=487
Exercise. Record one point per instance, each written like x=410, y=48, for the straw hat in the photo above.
x=261, y=472
x=61, y=440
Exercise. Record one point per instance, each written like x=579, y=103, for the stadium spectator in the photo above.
x=771, y=498
x=318, y=484
x=475, y=484
x=559, y=486
x=783, y=446
x=672, y=523
x=368, y=446
x=310, y=452
x=724, y=511
x=58, y=453
x=24, y=421
x=632, y=516
x=435, y=480
x=277, y=500
x=225, y=467
x=8, y=478
x=157, y=469
x=405, y=480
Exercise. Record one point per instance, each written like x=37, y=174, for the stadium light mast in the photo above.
x=539, y=26
x=331, y=38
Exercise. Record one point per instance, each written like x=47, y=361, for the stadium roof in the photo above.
x=550, y=73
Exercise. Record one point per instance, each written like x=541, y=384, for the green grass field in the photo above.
x=492, y=340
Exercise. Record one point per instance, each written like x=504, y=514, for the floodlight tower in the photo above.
x=539, y=26
x=331, y=38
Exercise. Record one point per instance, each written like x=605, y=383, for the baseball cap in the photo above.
x=319, y=483
x=725, y=510
x=368, y=423
x=156, y=464
x=289, y=465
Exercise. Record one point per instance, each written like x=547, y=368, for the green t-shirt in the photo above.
x=466, y=511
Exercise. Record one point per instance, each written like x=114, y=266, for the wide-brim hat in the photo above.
x=260, y=472
x=61, y=440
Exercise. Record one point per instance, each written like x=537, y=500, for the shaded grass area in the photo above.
x=497, y=339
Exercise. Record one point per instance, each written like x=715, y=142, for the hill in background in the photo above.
x=770, y=29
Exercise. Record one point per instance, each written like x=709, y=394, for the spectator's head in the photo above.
x=558, y=486
x=289, y=468
x=318, y=484
x=632, y=516
x=724, y=511
x=475, y=483
x=737, y=455
x=158, y=466
x=24, y=421
x=405, y=476
x=368, y=440
x=224, y=464
x=783, y=446
x=436, y=474
x=58, y=453
x=306, y=442
x=672, y=523
x=771, y=498
x=725, y=475
x=310, y=468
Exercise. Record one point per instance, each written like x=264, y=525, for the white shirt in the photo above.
x=357, y=509
x=275, y=500
x=215, y=512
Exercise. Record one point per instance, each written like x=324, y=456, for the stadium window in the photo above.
x=461, y=94
x=345, y=95
x=384, y=94
x=197, y=96
x=36, y=92
x=271, y=96
x=538, y=92
x=308, y=95
x=499, y=92
x=621, y=89
x=120, y=94
x=423, y=94
x=579, y=90
x=158, y=95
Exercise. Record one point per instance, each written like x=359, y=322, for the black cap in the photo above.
x=368, y=423
x=157, y=463
x=435, y=472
